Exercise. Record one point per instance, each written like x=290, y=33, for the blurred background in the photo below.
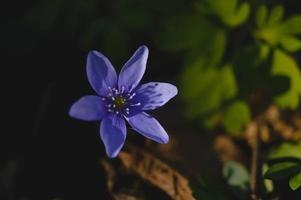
x=237, y=67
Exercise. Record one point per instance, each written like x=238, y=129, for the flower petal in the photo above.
x=155, y=94
x=113, y=134
x=101, y=73
x=148, y=127
x=133, y=70
x=88, y=108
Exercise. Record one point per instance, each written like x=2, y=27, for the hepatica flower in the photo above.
x=121, y=99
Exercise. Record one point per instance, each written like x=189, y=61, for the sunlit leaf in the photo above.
x=261, y=15
x=210, y=51
x=286, y=150
x=276, y=32
x=286, y=164
x=276, y=15
x=282, y=170
x=207, y=88
x=236, y=116
x=286, y=66
x=268, y=184
x=230, y=12
x=292, y=25
x=295, y=181
x=239, y=16
x=290, y=43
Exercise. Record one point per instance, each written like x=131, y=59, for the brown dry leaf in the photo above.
x=251, y=133
x=157, y=173
x=264, y=133
x=164, y=150
x=297, y=121
x=274, y=124
x=272, y=114
x=225, y=148
x=125, y=197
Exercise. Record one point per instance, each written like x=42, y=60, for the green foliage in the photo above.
x=286, y=66
x=295, y=181
x=273, y=30
x=230, y=12
x=268, y=184
x=282, y=170
x=287, y=164
x=215, y=83
x=201, y=88
x=186, y=32
x=236, y=116
x=286, y=150
x=237, y=178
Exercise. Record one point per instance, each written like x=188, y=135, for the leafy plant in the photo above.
x=217, y=84
x=237, y=61
x=287, y=164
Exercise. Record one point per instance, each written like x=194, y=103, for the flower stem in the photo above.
x=255, y=163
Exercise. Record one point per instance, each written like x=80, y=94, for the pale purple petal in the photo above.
x=101, y=73
x=133, y=70
x=148, y=127
x=113, y=134
x=154, y=94
x=88, y=108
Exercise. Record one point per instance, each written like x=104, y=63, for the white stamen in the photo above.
x=113, y=98
x=110, y=110
x=109, y=105
x=136, y=104
x=131, y=97
x=103, y=98
x=114, y=106
x=131, y=88
x=117, y=112
x=115, y=90
x=122, y=89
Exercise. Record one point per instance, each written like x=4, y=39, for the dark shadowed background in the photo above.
x=43, y=46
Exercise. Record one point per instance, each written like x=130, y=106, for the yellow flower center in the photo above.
x=119, y=102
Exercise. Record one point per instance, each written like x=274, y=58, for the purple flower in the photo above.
x=120, y=98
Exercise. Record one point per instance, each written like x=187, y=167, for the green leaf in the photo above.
x=261, y=15
x=286, y=150
x=295, y=181
x=236, y=116
x=286, y=167
x=230, y=12
x=268, y=184
x=210, y=52
x=292, y=25
x=286, y=66
x=282, y=170
x=276, y=15
x=237, y=178
x=275, y=31
x=222, y=8
x=238, y=17
x=206, y=88
x=290, y=43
